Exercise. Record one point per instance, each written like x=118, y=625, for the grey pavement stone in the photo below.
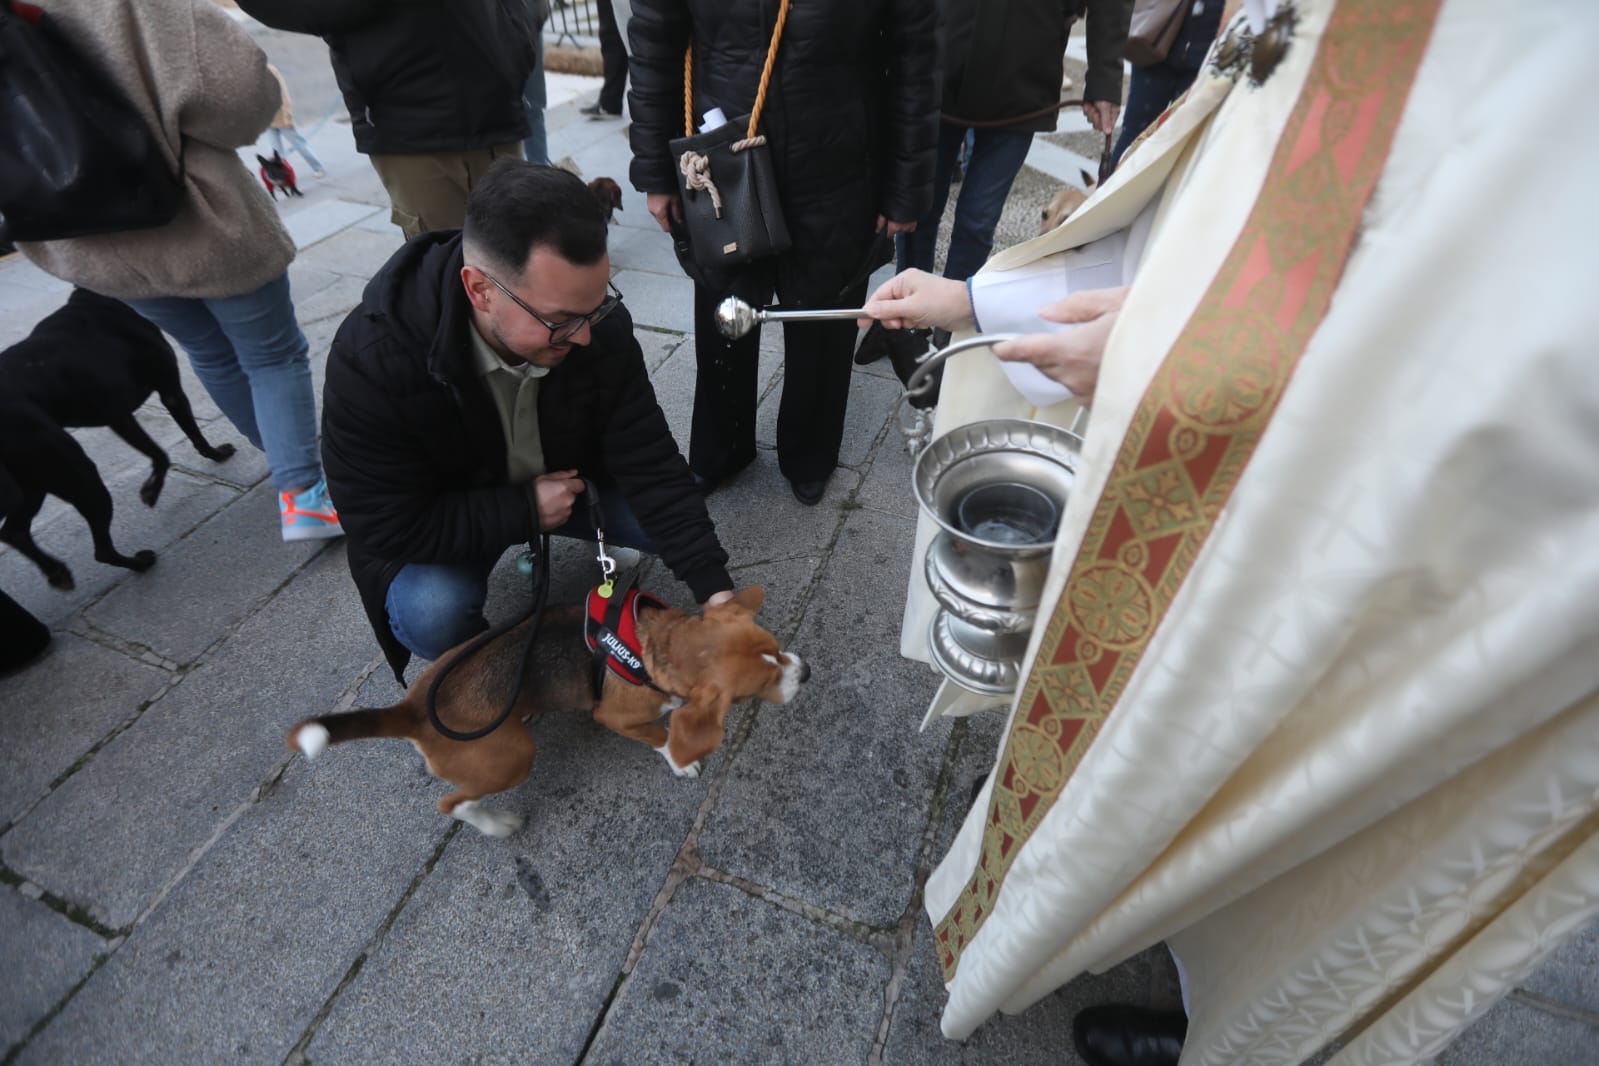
x=185, y=503
x=46, y=956
x=834, y=813
x=203, y=589
x=658, y=301
x=508, y=950
x=674, y=382
x=658, y=347
x=888, y=483
x=871, y=400
x=60, y=707
x=354, y=252
x=758, y=519
x=237, y=961
x=319, y=220
x=635, y=248
x=1514, y=1032
x=113, y=833
x=727, y=978
x=1571, y=974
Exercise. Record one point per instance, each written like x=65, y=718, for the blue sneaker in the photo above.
x=309, y=515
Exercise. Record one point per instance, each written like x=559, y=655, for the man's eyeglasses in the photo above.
x=561, y=332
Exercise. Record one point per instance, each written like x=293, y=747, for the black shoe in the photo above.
x=809, y=492
x=1118, y=1034
x=596, y=110
x=709, y=483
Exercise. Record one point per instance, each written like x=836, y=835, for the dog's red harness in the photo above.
x=610, y=629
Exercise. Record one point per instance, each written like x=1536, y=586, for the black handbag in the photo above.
x=731, y=211
x=76, y=158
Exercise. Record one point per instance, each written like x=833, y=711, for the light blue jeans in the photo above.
x=251, y=357
x=433, y=607
x=536, y=147
x=996, y=158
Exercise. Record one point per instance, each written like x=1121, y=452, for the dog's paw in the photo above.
x=150, y=491
x=221, y=453
x=487, y=822
x=312, y=740
x=143, y=560
x=691, y=770
x=60, y=577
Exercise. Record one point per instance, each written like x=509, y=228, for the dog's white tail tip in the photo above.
x=312, y=740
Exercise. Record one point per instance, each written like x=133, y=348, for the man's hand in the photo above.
x=1071, y=357
x=666, y=208
x=1101, y=114
x=916, y=299
x=556, y=492
x=895, y=228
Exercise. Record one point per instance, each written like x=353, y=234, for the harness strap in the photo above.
x=612, y=635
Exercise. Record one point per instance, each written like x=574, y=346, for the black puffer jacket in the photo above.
x=420, y=76
x=414, y=452
x=851, y=113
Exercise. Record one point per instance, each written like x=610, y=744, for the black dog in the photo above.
x=277, y=174
x=91, y=363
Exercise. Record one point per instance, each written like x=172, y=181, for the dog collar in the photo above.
x=610, y=629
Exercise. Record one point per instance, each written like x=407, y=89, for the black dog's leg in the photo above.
x=16, y=532
x=177, y=405
x=80, y=485
x=127, y=427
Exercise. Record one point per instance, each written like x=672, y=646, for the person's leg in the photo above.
x=617, y=520
x=426, y=192
x=916, y=249
x=536, y=146
x=273, y=354
x=432, y=607
x=297, y=141
x=810, y=416
x=614, y=55
x=997, y=157
x=722, y=437
x=1149, y=91
x=190, y=322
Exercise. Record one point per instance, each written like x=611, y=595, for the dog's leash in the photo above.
x=534, y=562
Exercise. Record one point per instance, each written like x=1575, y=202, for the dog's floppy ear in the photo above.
x=750, y=598
x=260, y=159
x=697, y=726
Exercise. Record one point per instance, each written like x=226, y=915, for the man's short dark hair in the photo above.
x=517, y=206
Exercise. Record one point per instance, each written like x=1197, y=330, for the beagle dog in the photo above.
x=691, y=666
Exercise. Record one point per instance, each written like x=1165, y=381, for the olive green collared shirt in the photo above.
x=515, y=389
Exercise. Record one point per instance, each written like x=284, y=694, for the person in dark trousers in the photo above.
x=1152, y=89
x=434, y=90
x=613, y=53
x=851, y=118
x=486, y=374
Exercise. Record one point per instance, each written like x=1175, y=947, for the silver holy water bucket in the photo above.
x=997, y=490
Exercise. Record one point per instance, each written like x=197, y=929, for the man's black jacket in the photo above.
x=415, y=456
x=420, y=76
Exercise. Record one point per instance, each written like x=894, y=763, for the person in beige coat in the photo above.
x=216, y=276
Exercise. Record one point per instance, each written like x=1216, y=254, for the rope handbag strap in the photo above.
x=760, y=95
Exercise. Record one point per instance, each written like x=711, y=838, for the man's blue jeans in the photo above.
x=997, y=157
x=251, y=357
x=535, y=98
x=432, y=607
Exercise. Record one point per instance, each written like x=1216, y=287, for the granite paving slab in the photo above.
x=674, y=382
x=888, y=483
x=758, y=519
x=1570, y=974
x=203, y=590
x=239, y=958
x=111, y=835
x=1515, y=1032
x=871, y=401
x=637, y=248
x=658, y=301
x=60, y=707
x=185, y=503
x=509, y=949
x=317, y=221
x=834, y=813
x=729, y=978
x=46, y=955
x=355, y=252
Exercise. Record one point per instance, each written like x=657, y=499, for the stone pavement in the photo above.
x=178, y=890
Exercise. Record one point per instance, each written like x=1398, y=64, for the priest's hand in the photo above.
x=555, y=494
x=1072, y=356
x=916, y=299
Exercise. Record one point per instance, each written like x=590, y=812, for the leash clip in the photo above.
x=607, y=566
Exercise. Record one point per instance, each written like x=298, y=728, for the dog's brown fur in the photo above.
x=608, y=193
x=1064, y=202
x=708, y=661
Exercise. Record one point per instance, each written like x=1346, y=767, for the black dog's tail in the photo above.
x=312, y=736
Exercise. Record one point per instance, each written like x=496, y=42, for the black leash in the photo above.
x=535, y=562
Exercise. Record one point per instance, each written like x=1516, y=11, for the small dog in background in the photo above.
x=276, y=173
x=1064, y=202
x=608, y=193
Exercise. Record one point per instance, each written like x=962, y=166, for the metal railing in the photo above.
x=573, y=22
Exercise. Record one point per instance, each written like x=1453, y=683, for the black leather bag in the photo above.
x=731, y=211
x=76, y=158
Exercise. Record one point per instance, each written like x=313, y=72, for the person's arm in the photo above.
x=317, y=17
x=1071, y=357
x=644, y=459
x=911, y=112
x=658, y=35
x=1107, y=39
x=384, y=485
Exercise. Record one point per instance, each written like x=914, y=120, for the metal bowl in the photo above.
x=990, y=675
x=996, y=592
x=1035, y=455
